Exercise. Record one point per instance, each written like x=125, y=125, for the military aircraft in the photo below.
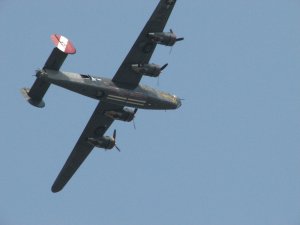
x=119, y=98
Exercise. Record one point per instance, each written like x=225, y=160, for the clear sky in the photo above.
x=229, y=156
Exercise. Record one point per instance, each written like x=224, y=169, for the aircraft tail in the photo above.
x=63, y=47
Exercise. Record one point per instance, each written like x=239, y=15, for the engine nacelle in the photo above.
x=102, y=142
x=151, y=70
x=125, y=114
x=164, y=38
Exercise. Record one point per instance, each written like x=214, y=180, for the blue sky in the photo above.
x=229, y=156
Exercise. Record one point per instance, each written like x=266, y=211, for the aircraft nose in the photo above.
x=178, y=102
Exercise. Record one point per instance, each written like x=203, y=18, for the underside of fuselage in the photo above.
x=104, y=89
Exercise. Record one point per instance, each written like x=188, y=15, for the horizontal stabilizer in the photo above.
x=63, y=47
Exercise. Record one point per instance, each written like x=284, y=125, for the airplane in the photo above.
x=119, y=98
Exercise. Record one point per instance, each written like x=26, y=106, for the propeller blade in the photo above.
x=134, y=124
x=117, y=148
x=170, y=50
x=163, y=67
x=171, y=31
x=115, y=134
x=114, y=137
x=134, y=112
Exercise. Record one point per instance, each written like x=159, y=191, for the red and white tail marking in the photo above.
x=63, y=44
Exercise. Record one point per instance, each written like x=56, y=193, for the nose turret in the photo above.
x=177, y=101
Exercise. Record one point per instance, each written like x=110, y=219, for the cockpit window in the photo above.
x=85, y=76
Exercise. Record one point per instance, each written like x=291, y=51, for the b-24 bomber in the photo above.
x=119, y=98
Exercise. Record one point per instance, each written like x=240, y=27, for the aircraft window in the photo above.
x=85, y=76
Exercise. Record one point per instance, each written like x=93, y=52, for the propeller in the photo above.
x=114, y=137
x=177, y=39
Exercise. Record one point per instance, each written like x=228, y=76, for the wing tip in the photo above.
x=56, y=188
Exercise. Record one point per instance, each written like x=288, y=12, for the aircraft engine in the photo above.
x=102, y=142
x=165, y=38
x=151, y=70
x=125, y=114
x=105, y=142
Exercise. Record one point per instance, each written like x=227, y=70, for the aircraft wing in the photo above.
x=96, y=127
x=143, y=47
